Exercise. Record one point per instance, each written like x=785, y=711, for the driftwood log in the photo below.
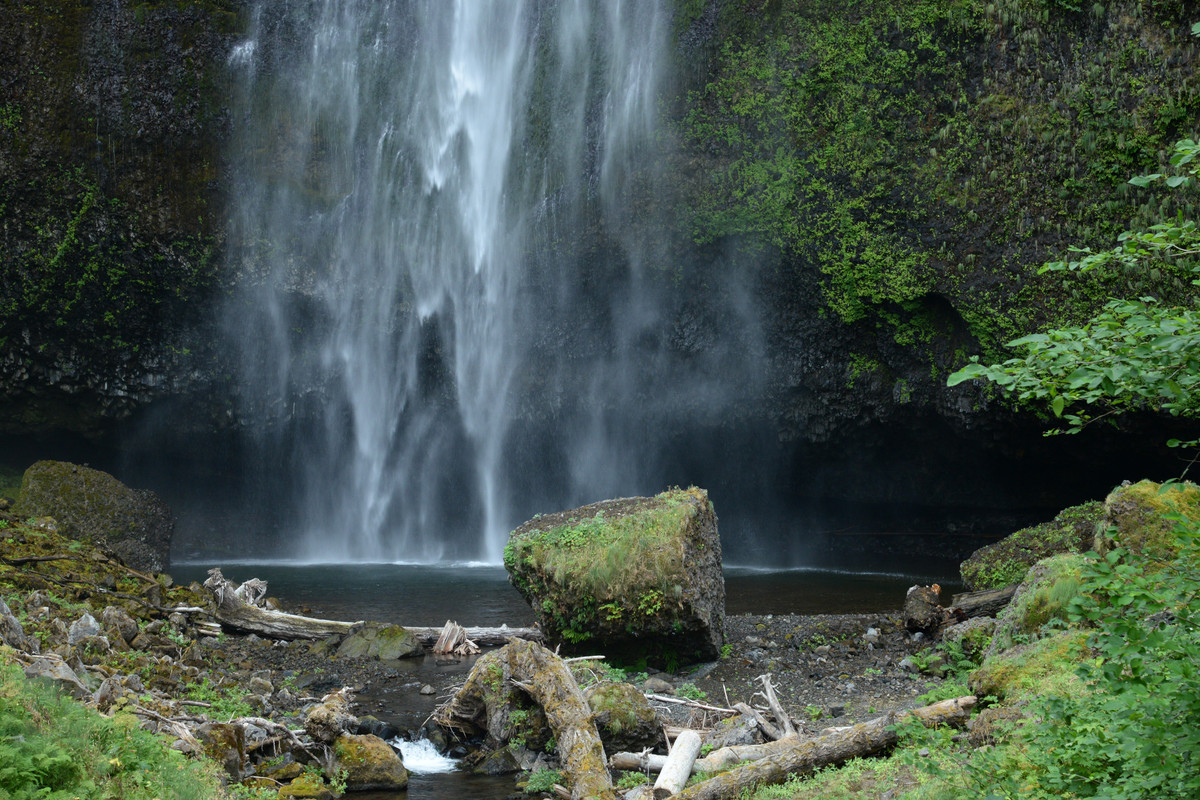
x=806, y=756
x=678, y=766
x=235, y=613
x=549, y=682
x=715, y=761
x=987, y=603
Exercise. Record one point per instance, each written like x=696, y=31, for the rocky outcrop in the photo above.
x=637, y=577
x=1006, y=562
x=370, y=764
x=1141, y=517
x=88, y=504
x=380, y=641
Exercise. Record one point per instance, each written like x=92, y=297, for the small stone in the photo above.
x=428, y=690
x=823, y=649
x=752, y=640
x=908, y=665
x=923, y=752
x=658, y=686
x=837, y=711
x=918, y=637
x=82, y=628
x=260, y=686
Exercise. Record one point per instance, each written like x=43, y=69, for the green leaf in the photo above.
x=1145, y=180
x=1057, y=405
x=966, y=373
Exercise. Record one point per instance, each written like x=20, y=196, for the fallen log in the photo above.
x=678, y=766
x=715, y=761
x=781, y=718
x=549, y=682
x=806, y=756
x=987, y=603
x=233, y=612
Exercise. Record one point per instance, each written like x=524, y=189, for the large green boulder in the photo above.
x=1142, y=517
x=1005, y=562
x=636, y=578
x=93, y=506
x=370, y=764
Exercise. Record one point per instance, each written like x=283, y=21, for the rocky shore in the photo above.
x=126, y=642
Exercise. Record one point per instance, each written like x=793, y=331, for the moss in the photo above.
x=1006, y=562
x=1046, y=667
x=637, y=571
x=1141, y=517
x=1042, y=599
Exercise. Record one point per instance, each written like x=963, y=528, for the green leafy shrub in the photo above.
x=543, y=781
x=52, y=748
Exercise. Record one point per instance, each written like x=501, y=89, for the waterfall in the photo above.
x=450, y=310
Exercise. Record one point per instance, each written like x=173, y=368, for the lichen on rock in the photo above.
x=636, y=578
x=1005, y=562
x=1141, y=517
x=93, y=506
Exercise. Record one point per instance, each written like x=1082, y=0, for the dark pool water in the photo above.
x=472, y=595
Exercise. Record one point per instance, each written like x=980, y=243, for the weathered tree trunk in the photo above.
x=922, y=611
x=486, y=637
x=678, y=766
x=713, y=762
x=235, y=613
x=804, y=757
x=548, y=680
x=987, y=603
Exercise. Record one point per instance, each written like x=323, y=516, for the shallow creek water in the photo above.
x=476, y=595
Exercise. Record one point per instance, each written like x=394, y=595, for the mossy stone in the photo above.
x=636, y=578
x=1045, y=667
x=307, y=787
x=380, y=641
x=370, y=763
x=1006, y=561
x=623, y=717
x=1141, y=517
x=93, y=506
x=1043, y=596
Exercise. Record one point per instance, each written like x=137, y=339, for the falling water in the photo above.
x=434, y=337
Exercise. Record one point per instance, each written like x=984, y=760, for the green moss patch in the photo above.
x=1006, y=562
x=638, y=576
x=1142, y=517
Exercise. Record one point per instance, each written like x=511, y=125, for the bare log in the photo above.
x=715, y=761
x=453, y=640
x=485, y=637
x=987, y=603
x=235, y=613
x=922, y=611
x=781, y=717
x=769, y=730
x=678, y=766
x=683, y=701
x=806, y=756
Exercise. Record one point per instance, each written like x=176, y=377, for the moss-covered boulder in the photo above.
x=1142, y=516
x=624, y=717
x=1044, y=596
x=370, y=764
x=380, y=641
x=635, y=578
x=93, y=506
x=1005, y=562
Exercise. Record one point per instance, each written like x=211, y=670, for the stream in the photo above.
x=472, y=594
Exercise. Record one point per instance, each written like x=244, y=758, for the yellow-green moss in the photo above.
x=1044, y=597
x=1046, y=667
x=1141, y=517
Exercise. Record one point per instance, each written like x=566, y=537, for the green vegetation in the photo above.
x=52, y=748
x=1006, y=562
x=543, y=781
x=1140, y=354
x=928, y=151
x=1098, y=698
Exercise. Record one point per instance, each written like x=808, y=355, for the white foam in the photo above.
x=422, y=757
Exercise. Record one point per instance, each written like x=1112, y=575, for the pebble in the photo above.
x=908, y=665
x=428, y=690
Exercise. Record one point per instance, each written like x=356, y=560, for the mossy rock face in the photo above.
x=1043, y=596
x=1045, y=667
x=636, y=578
x=624, y=718
x=1138, y=517
x=370, y=763
x=93, y=506
x=384, y=642
x=309, y=787
x=1006, y=561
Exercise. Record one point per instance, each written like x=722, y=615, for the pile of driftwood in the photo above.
x=548, y=681
x=242, y=608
